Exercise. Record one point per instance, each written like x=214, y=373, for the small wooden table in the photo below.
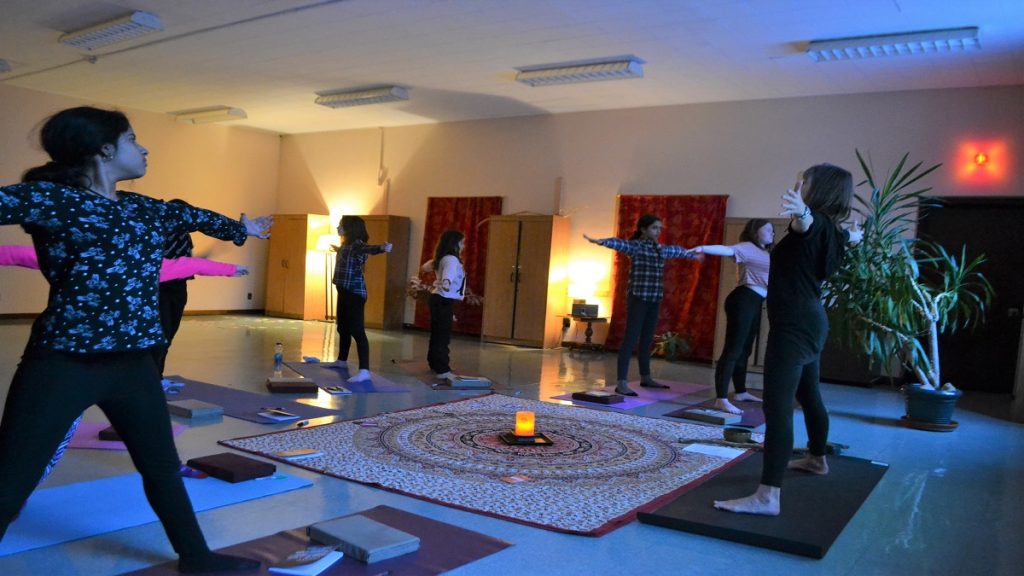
x=590, y=320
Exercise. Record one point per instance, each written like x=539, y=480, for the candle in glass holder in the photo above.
x=524, y=424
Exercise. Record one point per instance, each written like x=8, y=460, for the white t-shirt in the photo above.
x=753, y=263
x=451, y=278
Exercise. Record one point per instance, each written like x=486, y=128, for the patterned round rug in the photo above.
x=601, y=469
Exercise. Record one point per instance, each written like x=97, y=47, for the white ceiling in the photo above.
x=458, y=57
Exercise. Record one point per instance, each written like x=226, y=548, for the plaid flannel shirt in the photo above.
x=647, y=264
x=349, y=264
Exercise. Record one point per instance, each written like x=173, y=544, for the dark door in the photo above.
x=986, y=358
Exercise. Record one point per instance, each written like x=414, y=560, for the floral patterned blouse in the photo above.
x=102, y=260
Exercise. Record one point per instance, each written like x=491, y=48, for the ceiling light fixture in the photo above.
x=211, y=114
x=910, y=43
x=342, y=99
x=136, y=24
x=588, y=71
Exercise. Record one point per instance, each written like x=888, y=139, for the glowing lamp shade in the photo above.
x=980, y=158
x=524, y=424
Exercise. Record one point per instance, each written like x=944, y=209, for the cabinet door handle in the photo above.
x=284, y=263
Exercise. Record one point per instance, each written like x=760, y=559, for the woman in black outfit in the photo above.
x=800, y=263
x=100, y=251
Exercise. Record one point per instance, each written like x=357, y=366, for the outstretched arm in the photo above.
x=178, y=268
x=24, y=256
x=618, y=244
x=715, y=250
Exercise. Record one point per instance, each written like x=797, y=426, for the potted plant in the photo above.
x=895, y=294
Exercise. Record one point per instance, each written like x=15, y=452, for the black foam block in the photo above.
x=815, y=509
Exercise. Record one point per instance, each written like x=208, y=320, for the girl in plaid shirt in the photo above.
x=646, y=270
x=351, y=286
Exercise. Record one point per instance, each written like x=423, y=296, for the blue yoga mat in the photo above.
x=242, y=404
x=75, y=511
x=331, y=374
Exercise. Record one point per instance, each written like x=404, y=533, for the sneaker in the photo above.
x=361, y=376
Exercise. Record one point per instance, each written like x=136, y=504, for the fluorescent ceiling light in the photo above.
x=924, y=42
x=591, y=71
x=136, y=24
x=341, y=99
x=207, y=115
x=5, y=66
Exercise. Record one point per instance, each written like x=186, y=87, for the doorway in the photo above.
x=984, y=359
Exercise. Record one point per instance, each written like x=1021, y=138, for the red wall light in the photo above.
x=981, y=162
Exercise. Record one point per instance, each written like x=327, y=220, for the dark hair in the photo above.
x=353, y=228
x=829, y=191
x=643, y=223
x=447, y=245
x=749, y=233
x=72, y=138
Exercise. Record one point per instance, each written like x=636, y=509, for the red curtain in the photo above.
x=691, y=288
x=465, y=215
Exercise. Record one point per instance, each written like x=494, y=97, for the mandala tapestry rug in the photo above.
x=602, y=469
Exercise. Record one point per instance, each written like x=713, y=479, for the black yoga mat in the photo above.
x=242, y=404
x=443, y=547
x=815, y=509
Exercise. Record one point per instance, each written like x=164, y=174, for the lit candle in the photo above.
x=524, y=424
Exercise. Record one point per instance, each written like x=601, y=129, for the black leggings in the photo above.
x=441, y=311
x=50, y=389
x=641, y=319
x=173, y=298
x=783, y=381
x=743, y=322
x=350, y=317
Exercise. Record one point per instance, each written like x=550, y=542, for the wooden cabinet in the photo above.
x=526, y=285
x=296, y=272
x=386, y=274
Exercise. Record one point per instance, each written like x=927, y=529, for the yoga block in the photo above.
x=599, y=396
x=364, y=539
x=193, y=408
x=711, y=416
x=109, y=434
x=232, y=467
x=291, y=385
x=469, y=382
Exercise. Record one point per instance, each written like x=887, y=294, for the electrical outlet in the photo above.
x=249, y=296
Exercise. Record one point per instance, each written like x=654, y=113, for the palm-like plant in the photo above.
x=895, y=294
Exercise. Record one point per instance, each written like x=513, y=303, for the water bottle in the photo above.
x=278, y=359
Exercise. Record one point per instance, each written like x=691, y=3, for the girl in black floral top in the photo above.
x=100, y=251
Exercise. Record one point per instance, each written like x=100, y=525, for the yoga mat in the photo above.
x=443, y=547
x=602, y=468
x=242, y=404
x=330, y=374
x=419, y=370
x=645, y=395
x=87, y=436
x=75, y=511
x=815, y=509
x=753, y=414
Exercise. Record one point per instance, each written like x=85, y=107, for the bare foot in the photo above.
x=725, y=405
x=766, y=501
x=746, y=397
x=812, y=464
x=361, y=376
x=623, y=388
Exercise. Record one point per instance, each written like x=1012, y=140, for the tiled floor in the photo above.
x=948, y=505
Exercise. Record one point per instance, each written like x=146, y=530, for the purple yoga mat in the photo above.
x=244, y=405
x=87, y=436
x=419, y=370
x=331, y=374
x=753, y=415
x=443, y=547
x=646, y=395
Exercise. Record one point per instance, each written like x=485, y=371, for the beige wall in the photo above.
x=229, y=170
x=749, y=150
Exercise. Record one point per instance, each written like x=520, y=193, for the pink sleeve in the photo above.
x=178, y=268
x=24, y=256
